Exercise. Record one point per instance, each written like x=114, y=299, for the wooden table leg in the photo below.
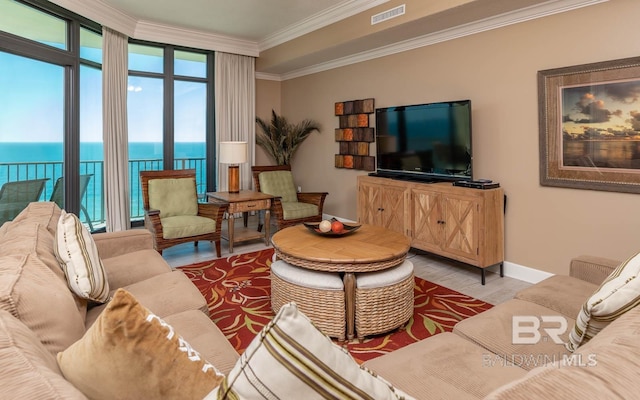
x=350, y=303
x=267, y=224
x=230, y=225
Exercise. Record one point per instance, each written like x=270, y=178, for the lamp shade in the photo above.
x=233, y=152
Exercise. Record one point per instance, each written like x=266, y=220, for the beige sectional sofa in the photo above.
x=40, y=316
x=484, y=357
x=490, y=356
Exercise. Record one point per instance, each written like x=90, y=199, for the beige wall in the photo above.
x=545, y=226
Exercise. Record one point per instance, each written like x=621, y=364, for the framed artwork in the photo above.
x=589, y=121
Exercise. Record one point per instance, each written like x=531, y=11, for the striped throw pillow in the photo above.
x=291, y=359
x=619, y=293
x=78, y=256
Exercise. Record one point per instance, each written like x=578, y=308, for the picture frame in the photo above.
x=589, y=126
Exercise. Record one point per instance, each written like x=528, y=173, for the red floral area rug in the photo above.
x=237, y=289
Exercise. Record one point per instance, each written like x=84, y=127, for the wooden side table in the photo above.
x=243, y=202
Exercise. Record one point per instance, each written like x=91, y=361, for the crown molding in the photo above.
x=106, y=15
x=101, y=13
x=268, y=77
x=327, y=17
x=160, y=33
x=525, y=14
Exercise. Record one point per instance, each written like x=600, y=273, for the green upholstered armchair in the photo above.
x=289, y=207
x=172, y=212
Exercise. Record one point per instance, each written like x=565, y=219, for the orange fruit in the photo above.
x=337, y=226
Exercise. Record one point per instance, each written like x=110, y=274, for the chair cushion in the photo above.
x=131, y=353
x=173, y=196
x=619, y=293
x=186, y=225
x=306, y=277
x=278, y=183
x=384, y=278
x=297, y=210
x=291, y=359
x=78, y=257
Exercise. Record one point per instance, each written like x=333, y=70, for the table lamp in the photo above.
x=233, y=153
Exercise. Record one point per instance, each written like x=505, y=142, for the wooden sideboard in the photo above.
x=460, y=223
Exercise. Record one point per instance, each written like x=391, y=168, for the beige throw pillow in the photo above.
x=130, y=353
x=619, y=293
x=291, y=359
x=78, y=256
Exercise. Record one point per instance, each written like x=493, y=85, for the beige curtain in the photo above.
x=114, y=116
x=235, y=111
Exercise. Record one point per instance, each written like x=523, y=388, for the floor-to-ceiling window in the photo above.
x=170, y=117
x=50, y=63
x=51, y=111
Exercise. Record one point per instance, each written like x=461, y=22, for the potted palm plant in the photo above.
x=280, y=139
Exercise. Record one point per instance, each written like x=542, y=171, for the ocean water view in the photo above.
x=12, y=152
x=31, y=160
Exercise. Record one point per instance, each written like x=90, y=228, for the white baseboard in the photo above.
x=512, y=270
x=520, y=272
x=328, y=216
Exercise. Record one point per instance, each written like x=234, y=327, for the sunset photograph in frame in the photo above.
x=589, y=121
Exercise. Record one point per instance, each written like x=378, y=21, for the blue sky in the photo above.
x=32, y=104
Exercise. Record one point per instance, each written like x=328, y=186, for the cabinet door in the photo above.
x=369, y=203
x=392, y=208
x=461, y=216
x=426, y=220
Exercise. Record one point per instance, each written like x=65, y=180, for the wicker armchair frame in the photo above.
x=152, y=217
x=277, y=213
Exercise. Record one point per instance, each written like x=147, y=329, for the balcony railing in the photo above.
x=93, y=199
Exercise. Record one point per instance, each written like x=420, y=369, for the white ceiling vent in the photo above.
x=385, y=15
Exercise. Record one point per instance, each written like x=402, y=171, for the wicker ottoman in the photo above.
x=384, y=299
x=319, y=295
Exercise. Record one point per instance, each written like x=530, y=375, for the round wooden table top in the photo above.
x=370, y=248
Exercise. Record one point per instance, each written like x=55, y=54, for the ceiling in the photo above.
x=296, y=37
x=253, y=20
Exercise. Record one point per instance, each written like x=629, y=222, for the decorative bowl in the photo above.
x=315, y=228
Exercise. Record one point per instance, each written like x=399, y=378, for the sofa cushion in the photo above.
x=560, y=293
x=619, y=293
x=163, y=295
x=278, y=183
x=126, y=269
x=131, y=353
x=31, y=237
x=604, y=368
x=78, y=257
x=445, y=364
x=527, y=348
x=31, y=292
x=291, y=359
x=173, y=196
x=46, y=213
x=186, y=225
x=29, y=371
x=201, y=333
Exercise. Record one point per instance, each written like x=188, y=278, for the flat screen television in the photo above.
x=427, y=142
